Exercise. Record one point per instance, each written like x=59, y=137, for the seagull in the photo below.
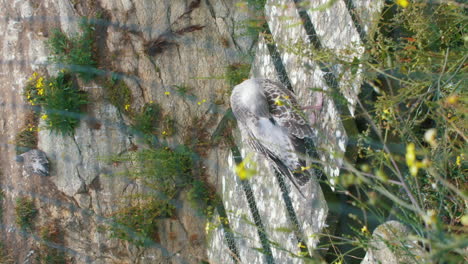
x=272, y=123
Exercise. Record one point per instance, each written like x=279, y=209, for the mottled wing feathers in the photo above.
x=285, y=110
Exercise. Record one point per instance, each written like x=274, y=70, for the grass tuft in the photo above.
x=26, y=212
x=75, y=53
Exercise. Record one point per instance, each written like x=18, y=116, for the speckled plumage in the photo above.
x=272, y=123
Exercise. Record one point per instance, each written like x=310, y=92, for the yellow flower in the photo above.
x=40, y=83
x=364, y=230
x=164, y=133
x=44, y=117
x=151, y=102
x=243, y=170
x=411, y=159
x=451, y=100
x=167, y=93
x=464, y=220
x=402, y=3
x=204, y=100
x=40, y=91
x=459, y=159
x=430, y=217
x=278, y=101
x=127, y=107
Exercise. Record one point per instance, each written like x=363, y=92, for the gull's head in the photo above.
x=248, y=95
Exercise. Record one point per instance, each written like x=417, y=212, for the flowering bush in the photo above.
x=60, y=99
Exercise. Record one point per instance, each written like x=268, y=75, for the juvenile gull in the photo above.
x=271, y=122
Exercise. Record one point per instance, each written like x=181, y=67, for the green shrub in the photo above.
x=5, y=257
x=137, y=223
x=47, y=253
x=62, y=103
x=236, y=73
x=25, y=212
x=118, y=93
x=163, y=171
x=201, y=197
x=26, y=139
x=75, y=53
x=147, y=120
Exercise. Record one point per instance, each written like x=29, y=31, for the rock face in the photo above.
x=34, y=162
x=391, y=244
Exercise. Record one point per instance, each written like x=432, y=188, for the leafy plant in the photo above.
x=75, y=53
x=26, y=139
x=236, y=73
x=147, y=120
x=118, y=93
x=62, y=103
x=25, y=212
x=5, y=257
x=201, y=197
x=137, y=223
x=163, y=171
x=51, y=237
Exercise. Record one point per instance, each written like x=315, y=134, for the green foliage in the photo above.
x=412, y=148
x=167, y=126
x=62, y=104
x=201, y=197
x=183, y=90
x=163, y=171
x=255, y=23
x=137, y=223
x=75, y=53
x=48, y=253
x=26, y=139
x=147, y=120
x=118, y=93
x=257, y=5
x=5, y=257
x=236, y=73
x=25, y=212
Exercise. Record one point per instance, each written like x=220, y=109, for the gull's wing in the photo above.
x=285, y=110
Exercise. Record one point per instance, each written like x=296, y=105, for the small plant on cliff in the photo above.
x=75, y=53
x=118, y=93
x=26, y=139
x=236, y=73
x=147, y=120
x=136, y=222
x=5, y=257
x=60, y=100
x=49, y=252
x=25, y=212
x=163, y=171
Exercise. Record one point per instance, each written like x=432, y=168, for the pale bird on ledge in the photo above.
x=272, y=123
